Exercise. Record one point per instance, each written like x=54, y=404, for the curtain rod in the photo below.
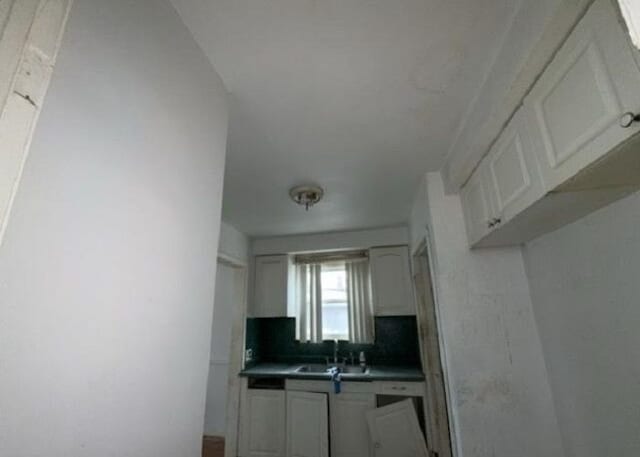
x=325, y=257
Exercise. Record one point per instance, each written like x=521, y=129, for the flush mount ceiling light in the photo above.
x=306, y=195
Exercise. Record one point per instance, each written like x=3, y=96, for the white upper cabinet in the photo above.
x=476, y=204
x=579, y=101
x=512, y=171
x=307, y=424
x=349, y=432
x=572, y=146
x=271, y=289
x=391, y=281
x=262, y=428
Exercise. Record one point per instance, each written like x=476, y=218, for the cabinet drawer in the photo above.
x=327, y=386
x=416, y=389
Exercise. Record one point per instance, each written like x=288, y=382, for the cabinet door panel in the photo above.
x=262, y=431
x=395, y=431
x=349, y=432
x=513, y=170
x=307, y=425
x=391, y=281
x=271, y=282
x=578, y=101
x=476, y=204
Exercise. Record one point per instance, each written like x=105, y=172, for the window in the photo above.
x=335, y=308
x=333, y=297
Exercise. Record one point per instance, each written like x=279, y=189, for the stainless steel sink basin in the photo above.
x=313, y=368
x=321, y=368
x=350, y=369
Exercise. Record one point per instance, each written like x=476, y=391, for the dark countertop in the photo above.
x=375, y=373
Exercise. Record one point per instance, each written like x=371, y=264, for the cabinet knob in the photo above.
x=628, y=119
x=493, y=222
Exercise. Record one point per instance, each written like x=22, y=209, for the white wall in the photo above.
x=501, y=399
x=357, y=239
x=233, y=243
x=585, y=285
x=106, y=270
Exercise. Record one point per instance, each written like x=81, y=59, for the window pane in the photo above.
x=335, y=312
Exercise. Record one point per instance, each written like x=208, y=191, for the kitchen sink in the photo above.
x=313, y=368
x=318, y=368
x=354, y=369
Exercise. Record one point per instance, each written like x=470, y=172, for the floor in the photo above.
x=212, y=446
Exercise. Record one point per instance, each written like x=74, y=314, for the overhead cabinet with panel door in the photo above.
x=273, y=286
x=572, y=145
x=391, y=281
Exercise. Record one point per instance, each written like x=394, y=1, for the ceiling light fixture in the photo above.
x=306, y=195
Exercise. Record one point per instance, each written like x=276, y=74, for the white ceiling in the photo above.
x=359, y=96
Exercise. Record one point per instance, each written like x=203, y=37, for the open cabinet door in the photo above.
x=395, y=431
x=30, y=34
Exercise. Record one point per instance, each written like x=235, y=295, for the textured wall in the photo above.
x=501, y=399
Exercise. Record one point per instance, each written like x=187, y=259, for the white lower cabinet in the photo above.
x=307, y=424
x=308, y=419
x=395, y=431
x=349, y=432
x=262, y=428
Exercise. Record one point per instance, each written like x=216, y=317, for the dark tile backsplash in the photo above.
x=273, y=340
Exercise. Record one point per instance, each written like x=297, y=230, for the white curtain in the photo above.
x=309, y=303
x=360, y=303
x=631, y=12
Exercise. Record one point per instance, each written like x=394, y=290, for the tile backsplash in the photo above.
x=273, y=340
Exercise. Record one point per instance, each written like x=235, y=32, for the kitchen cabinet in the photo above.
x=506, y=182
x=476, y=204
x=572, y=146
x=262, y=423
x=272, y=286
x=295, y=421
x=578, y=102
x=307, y=424
x=395, y=431
x=513, y=172
x=391, y=281
x=349, y=432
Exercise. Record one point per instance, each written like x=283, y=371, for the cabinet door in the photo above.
x=579, y=100
x=395, y=431
x=349, y=432
x=391, y=281
x=307, y=424
x=262, y=427
x=513, y=172
x=476, y=204
x=271, y=282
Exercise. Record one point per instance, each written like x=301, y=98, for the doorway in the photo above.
x=437, y=415
x=227, y=345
